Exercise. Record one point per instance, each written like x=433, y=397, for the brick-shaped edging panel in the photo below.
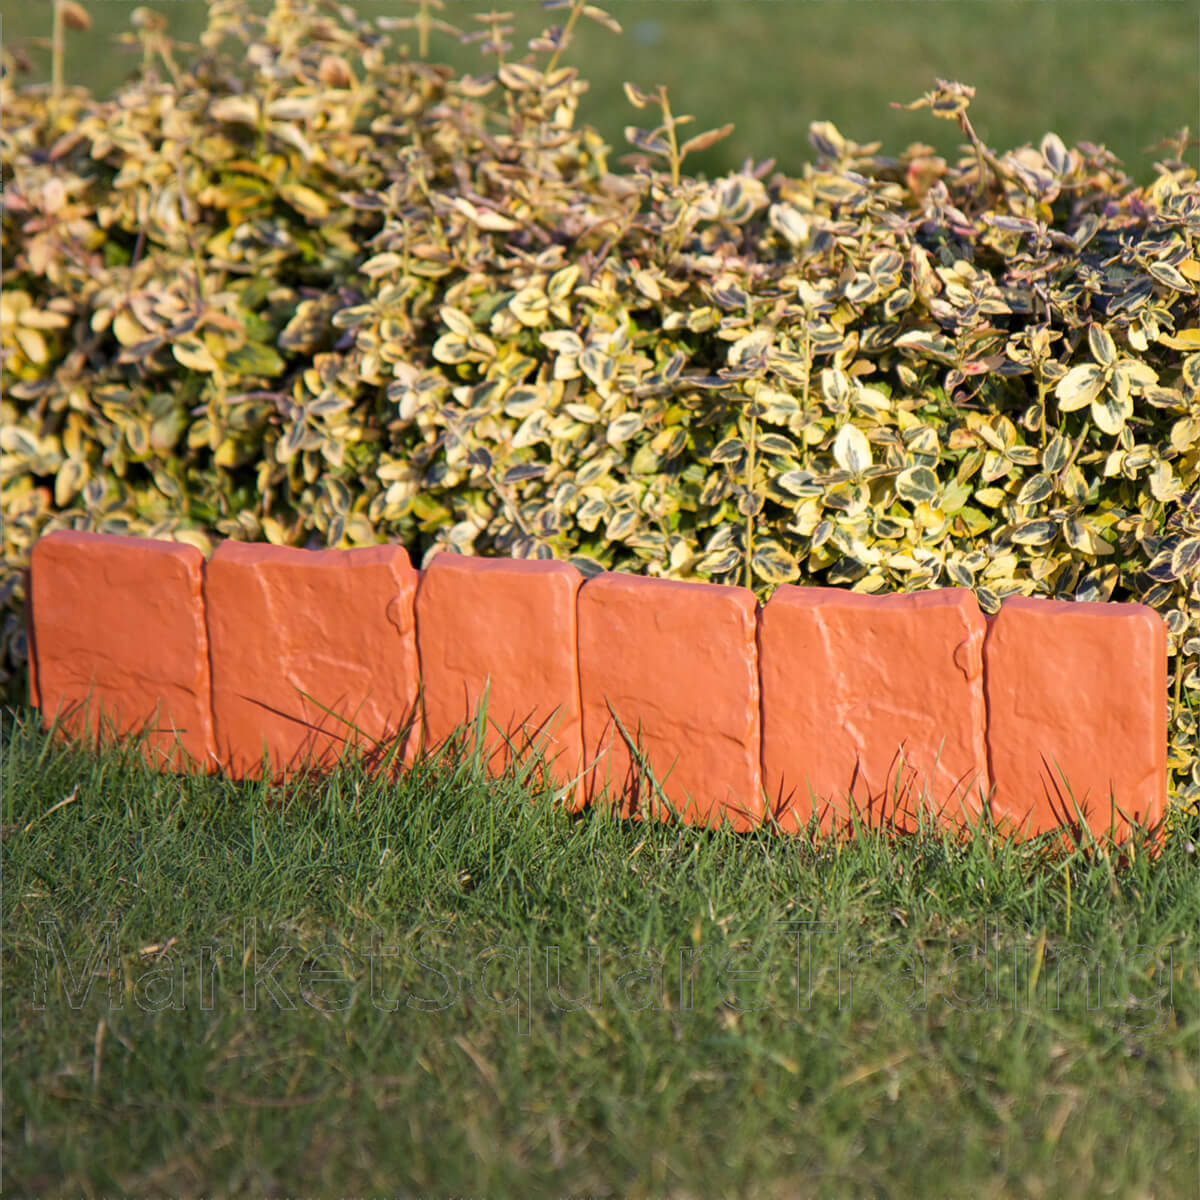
x=873, y=704
x=670, y=669
x=297, y=652
x=121, y=641
x=507, y=625
x=1077, y=714
x=313, y=650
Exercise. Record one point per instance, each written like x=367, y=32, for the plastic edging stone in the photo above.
x=669, y=669
x=313, y=651
x=121, y=645
x=507, y=625
x=675, y=695
x=872, y=703
x=1077, y=722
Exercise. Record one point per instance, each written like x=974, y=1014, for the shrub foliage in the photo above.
x=302, y=285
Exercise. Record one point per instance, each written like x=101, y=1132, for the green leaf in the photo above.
x=1079, y=387
x=916, y=485
x=720, y=562
x=623, y=428
x=1186, y=557
x=621, y=524
x=1110, y=412
x=289, y=445
x=71, y=476
x=1169, y=276
x=771, y=563
x=519, y=77
x=192, y=353
x=1131, y=373
x=751, y=346
x=1103, y=348
x=702, y=141
x=798, y=483
x=589, y=568
x=1082, y=537
x=933, y=344
x=1054, y=457
x=1037, y=488
x=523, y=472
x=1035, y=533
x=775, y=443
x=897, y=302
x=851, y=450
x=731, y=450
x=304, y=200
x=1190, y=372
x=254, y=358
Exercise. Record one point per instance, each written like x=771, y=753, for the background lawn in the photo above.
x=1121, y=74
x=866, y=1050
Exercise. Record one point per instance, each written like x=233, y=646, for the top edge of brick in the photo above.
x=621, y=581
x=85, y=538
x=252, y=554
x=1045, y=605
x=513, y=566
x=827, y=596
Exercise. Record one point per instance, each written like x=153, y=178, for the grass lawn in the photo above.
x=918, y=1018
x=1122, y=74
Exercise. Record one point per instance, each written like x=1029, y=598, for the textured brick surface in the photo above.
x=875, y=697
x=118, y=624
x=869, y=703
x=678, y=659
x=1078, y=688
x=508, y=624
x=333, y=625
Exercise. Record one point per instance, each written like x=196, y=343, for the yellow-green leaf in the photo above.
x=1079, y=387
x=1103, y=348
x=851, y=449
x=192, y=353
x=917, y=484
x=773, y=564
x=623, y=428
x=304, y=200
x=1110, y=411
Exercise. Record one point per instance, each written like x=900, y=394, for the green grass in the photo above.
x=1121, y=74
x=725, y=1088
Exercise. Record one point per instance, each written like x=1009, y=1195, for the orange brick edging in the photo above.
x=888, y=704
x=668, y=672
x=121, y=640
x=310, y=650
x=1077, y=689
x=506, y=626
x=665, y=694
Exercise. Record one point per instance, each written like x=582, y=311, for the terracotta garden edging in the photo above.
x=278, y=656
